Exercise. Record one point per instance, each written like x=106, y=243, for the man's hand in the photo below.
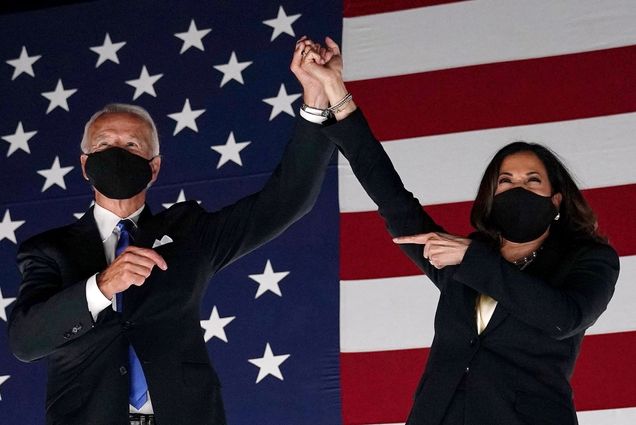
x=440, y=249
x=131, y=267
x=325, y=65
x=313, y=92
x=332, y=56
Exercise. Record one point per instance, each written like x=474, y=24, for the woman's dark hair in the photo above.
x=577, y=218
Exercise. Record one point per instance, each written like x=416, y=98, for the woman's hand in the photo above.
x=332, y=60
x=321, y=63
x=313, y=92
x=325, y=65
x=440, y=249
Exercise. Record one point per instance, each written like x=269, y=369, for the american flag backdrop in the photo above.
x=329, y=323
x=215, y=76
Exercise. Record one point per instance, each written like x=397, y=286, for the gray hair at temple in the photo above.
x=125, y=108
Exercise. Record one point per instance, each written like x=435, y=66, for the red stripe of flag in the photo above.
x=354, y=8
x=500, y=95
x=605, y=372
x=378, y=387
x=367, y=251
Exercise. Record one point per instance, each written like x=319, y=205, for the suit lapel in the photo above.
x=498, y=316
x=85, y=246
x=469, y=297
x=469, y=302
x=147, y=226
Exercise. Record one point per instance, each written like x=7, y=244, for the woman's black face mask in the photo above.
x=521, y=215
x=117, y=173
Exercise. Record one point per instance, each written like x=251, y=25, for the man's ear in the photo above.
x=155, y=165
x=83, y=158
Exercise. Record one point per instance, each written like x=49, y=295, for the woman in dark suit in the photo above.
x=515, y=297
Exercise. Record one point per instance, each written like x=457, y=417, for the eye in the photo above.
x=503, y=180
x=100, y=146
x=534, y=180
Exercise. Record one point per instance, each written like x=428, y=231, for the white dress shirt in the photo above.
x=485, y=308
x=316, y=119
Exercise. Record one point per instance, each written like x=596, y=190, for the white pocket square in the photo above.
x=164, y=240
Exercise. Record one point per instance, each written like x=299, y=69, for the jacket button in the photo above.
x=467, y=369
x=127, y=325
x=76, y=328
x=473, y=341
x=123, y=371
x=67, y=335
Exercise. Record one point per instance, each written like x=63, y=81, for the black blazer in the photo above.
x=87, y=361
x=517, y=370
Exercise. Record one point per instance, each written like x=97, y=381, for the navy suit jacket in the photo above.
x=87, y=360
x=517, y=370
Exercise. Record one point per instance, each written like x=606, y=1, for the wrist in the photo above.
x=347, y=110
x=101, y=285
x=335, y=90
x=316, y=100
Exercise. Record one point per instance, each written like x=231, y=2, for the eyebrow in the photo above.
x=506, y=173
x=103, y=136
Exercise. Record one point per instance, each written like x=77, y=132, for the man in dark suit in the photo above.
x=112, y=301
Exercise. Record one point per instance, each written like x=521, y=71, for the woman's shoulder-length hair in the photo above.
x=577, y=220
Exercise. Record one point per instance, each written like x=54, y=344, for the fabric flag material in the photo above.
x=445, y=84
x=215, y=76
x=329, y=323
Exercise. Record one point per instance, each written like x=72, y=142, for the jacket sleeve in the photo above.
x=289, y=194
x=561, y=311
x=46, y=315
x=402, y=213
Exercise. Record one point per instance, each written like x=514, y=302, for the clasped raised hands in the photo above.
x=319, y=70
x=322, y=64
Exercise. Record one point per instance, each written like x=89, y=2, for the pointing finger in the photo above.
x=417, y=239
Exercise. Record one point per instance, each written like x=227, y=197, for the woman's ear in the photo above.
x=556, y=200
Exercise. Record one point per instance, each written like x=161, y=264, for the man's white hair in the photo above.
x=135, y=110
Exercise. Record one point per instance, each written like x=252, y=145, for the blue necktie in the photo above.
x=138, y=386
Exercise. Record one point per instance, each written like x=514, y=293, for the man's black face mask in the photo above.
x=117, y=173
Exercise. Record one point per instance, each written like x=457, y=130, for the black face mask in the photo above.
x=521, y=215
x=117, y=173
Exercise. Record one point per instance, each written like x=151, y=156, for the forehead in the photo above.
x=522, y=162
x=119, y=122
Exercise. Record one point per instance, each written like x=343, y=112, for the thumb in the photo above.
x=332, y=45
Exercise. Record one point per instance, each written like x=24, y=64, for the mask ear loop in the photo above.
x=558, y=216
x=150, y=183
